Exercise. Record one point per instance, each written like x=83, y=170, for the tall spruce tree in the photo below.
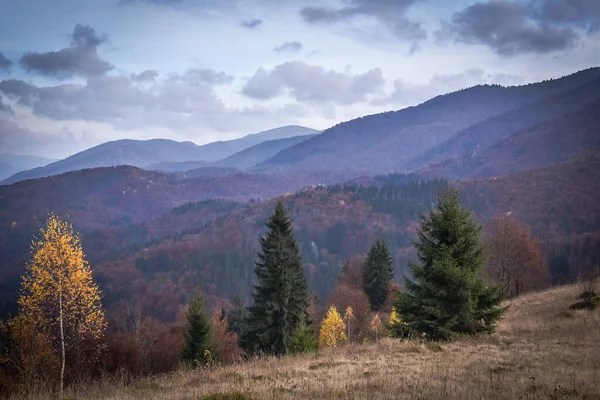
x=197, y=333
x=281, y=293
x=378, y=274
x=448, y=295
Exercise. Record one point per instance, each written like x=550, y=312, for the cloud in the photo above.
x=508, y=28
x=577, y=13
x=196, y=76
x=313, y=84
x=180, y=103
x=18, y=140
x=292, y=47
x=148, y=75
x=4, y=108
x=5, y=63
x=252, y=24
x=406, y=93
x=391, y=13
x=79, y=59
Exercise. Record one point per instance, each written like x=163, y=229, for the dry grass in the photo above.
x=542, y=350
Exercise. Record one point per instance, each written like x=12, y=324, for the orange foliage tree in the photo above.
x=224, y=341
x=515, y=259
x=59, y=302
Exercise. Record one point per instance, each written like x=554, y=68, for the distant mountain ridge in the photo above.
x=160, y=154
x=486, y=133
x=261, y=152
x=10, y=164
x=552, y=141
x=378, y=143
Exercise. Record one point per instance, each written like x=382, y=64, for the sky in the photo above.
x=74, y=74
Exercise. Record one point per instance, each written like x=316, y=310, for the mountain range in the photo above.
x=174, y=220
x=161, y=154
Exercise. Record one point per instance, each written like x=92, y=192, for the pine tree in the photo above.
x=448, y=295
x=59, y=300
x=378, y=274
x=198, y=334
x=281, y=293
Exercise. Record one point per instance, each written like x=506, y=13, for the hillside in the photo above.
x=477, y=138
x=153, y=153
x=333, y=224
x=10, y=164
x=549, y=142
x=378, y=143
x=260, y=153
x=175, y=166
x=541, y=350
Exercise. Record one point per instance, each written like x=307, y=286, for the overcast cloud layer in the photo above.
x=75, y=74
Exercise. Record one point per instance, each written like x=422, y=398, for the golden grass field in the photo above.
x=541, y=350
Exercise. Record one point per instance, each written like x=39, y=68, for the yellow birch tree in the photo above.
x=59, y=298
x=333, y=329
x=377, y=326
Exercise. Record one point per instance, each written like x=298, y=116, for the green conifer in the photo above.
x=378, y=274
x=448, y=295
x=238, y=317
x=281, y=293
x=197, y=333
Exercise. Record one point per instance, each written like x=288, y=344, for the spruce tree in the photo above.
x=448, y=295
x=197, y=333
x=238, y=317
x=281, y=293
x=378, y=274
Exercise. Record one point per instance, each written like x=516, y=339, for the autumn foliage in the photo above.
x=61, y=321
x=515, y=258
x=333, y=329
x=225, y=343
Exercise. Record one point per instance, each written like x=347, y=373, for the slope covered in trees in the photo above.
x=478, y=137
x=333, y=224
x=377, y=143
x=552, y=141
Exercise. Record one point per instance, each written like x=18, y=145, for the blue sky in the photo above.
x=78, y=73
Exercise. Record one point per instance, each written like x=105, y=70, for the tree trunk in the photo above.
x=62, y=340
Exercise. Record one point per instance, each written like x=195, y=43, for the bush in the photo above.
x=588, y=285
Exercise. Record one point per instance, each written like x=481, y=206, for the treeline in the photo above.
x=61, y=336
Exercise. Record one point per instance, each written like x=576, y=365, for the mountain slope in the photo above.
x=333, y=224
x=152, y=153
x=10, y=164
x=546, y=143
x=259, y=153
x=484, y=134
x=216, y=151
x=175, y=166
x=377, y=143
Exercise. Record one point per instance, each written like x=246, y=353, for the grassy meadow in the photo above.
x=541, y=350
